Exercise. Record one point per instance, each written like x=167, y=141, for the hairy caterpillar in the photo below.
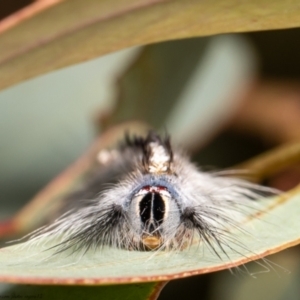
x=148, y=196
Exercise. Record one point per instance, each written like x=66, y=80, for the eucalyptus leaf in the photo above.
x=260, y=236
x=74, y=31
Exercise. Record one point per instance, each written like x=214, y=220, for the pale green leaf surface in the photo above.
x=73, y=31
x=23, y=264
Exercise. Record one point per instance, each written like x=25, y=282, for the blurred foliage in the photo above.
x=157, y=78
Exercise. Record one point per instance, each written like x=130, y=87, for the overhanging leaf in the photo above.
x=260, y=237
x=73, y=31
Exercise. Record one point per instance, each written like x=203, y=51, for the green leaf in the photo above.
x=260, y=236
x=74, y=31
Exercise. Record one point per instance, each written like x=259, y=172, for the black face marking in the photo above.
x=146, y=207
x=158, y=208
x=152, y=210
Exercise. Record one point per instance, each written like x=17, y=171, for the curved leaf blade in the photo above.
x=115, y=266
x=74, y=31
